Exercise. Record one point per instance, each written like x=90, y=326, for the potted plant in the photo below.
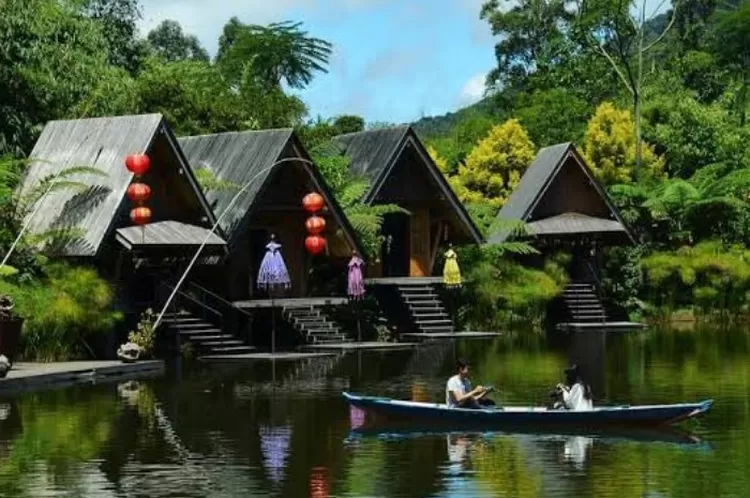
x=10, y=329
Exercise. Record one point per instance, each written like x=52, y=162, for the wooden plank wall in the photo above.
x=420, y=257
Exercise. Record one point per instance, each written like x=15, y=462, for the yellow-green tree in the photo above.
x=495, y=166
x=439, y=161
x=610, y=147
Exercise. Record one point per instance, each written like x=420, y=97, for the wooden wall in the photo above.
x=571, y=191
x=420, y=257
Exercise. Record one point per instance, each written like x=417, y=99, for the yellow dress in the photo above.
x=451, y=272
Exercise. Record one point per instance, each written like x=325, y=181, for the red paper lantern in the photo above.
x=315, y=225
x=140, y=215
x=319, y=487
x=139, y=192
x=313, y=202
x=138, y=164
x=314, y=244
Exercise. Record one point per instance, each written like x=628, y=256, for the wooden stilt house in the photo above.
x=93, y=226
x=566, y=209
x=401, y=172
x=279, y=173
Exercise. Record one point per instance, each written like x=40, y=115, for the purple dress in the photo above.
x=274, y=445
x=356, y=284
x=273, y=272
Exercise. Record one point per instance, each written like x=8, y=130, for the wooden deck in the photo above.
x=404, y=281
x=36, y=376
x=282, y=356
x=450, y=335
x=293, y=302
x=361, y=346
x=601, y=327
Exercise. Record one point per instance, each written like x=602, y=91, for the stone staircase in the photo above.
x=204, y=336
x=426, y=308
x=583, y=303
x=314, y=325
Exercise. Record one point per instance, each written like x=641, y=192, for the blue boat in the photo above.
x=387, y=409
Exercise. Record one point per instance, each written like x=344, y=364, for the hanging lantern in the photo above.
x=319, y=487
x=139, y=192
x=314, y=244
x=138, y=164
x=315, y=225
x=313, y=202
x=140, y=215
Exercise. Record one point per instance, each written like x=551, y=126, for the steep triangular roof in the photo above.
x=536, y=180
x=101, y=143
x=374, y=153
x=248, y=156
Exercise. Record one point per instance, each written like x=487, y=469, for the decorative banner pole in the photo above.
x=355, y=288
x=139, y=192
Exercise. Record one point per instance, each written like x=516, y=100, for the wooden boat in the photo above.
x=391, y=409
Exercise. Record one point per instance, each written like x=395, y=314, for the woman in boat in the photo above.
x=576, y=394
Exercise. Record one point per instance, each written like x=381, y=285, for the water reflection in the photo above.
x=284, y=430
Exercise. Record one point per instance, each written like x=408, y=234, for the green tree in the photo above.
x=733, y=49
x=274, y=53
x=620, y=35
x=172, y=44
x=533, y=39
x=118, y=20
x=53, y=61
x=553, y=116
x=193, y=96
x=495, y=166
x=610, y=147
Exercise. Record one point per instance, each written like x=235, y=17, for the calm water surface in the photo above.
x=250, y=430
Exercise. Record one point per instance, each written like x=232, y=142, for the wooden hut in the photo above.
x=566, y=209
x=93, y=225
x=401, y=172
x=280, y=173
x=405, y=275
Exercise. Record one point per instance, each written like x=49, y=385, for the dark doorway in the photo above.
x=395, y=250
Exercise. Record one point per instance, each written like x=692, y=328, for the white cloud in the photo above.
x=473, y=90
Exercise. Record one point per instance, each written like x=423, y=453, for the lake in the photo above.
x=257, y=430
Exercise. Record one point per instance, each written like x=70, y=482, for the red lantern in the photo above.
x=140, y=215
x=315, y=225
x=319, y=483
x=313, y=202
x=138, y=164
x=314, y=244
x=139, y=192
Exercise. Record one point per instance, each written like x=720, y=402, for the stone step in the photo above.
x=424, y=305
x=321, y=330
x=415, y=288
x=317, y=319
x=428, y=323
x=231, y=350
x=428, y=314
x=327, y=339
x=194, y=325
x=209, y=337
x=208, y=330
x=180, y=320
x=220, y=344
x=437, y=330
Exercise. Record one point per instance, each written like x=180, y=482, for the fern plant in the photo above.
x=349, y=189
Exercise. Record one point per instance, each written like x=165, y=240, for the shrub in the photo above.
x=144, y=336
x=61, y=311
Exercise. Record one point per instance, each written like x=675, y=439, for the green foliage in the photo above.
x=349, y=190
x=61, y=311
x=171, y=44
x=275, y=53
x=553, y=116
x=494, y=168
x=713, y=275
x=500, y=291
x=732, y=47
x=144, y=336
x=209, y=182
x=610, y=147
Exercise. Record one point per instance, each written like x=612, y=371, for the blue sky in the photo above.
x=394, y=60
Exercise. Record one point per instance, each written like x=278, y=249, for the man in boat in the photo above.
x=459, y=393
